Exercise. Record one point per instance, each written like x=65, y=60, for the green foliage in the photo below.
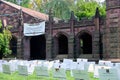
x=24, y=2
x=87, y=9
x=5, y=38
x=0, y=24
x=36, y=5
x=13, y=1
x=60, y=8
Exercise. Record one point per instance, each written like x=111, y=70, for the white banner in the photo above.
x=34, y=29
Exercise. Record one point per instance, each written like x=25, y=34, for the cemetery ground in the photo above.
x=81, y=69
x=16, y=76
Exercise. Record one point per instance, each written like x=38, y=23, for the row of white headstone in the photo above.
x=104, y=70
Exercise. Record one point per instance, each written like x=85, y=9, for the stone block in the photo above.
x=113, y=29
x=115, y=15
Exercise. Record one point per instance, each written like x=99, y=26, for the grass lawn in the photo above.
x=16, y=76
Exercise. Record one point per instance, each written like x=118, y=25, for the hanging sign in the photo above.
x=34, y=29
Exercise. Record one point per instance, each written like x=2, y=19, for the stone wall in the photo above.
x=112, y=29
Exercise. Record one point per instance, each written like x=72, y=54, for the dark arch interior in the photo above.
x=13, y=45
x=38, y=47
x=86, y=43
x=63, y=44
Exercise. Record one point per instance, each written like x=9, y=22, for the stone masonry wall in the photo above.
x=112, y=30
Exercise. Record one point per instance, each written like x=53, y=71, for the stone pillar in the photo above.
x=96, y=40
x=71, y=43
x=71, y=46
x=26, y=48
x=55, y=47
x=77, y=48
x=19, y=48
x=95, y=44
x=20, y=36
x=49, y=47
x=49, y=44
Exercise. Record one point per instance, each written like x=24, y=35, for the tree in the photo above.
x=13, y=1
x=60, y=8
x=24, y=3
x=5, y=37
x=38, y=5
x=86, y=8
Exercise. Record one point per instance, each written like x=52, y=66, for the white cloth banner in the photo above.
x=34, y=29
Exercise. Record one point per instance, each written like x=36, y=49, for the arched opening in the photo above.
x=13, y=45
x=38, y=47
x=85, y=43
x=62, y=44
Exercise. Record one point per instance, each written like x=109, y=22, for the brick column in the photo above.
x=19, y=48
x=96, y=40
x=71, y=52
x=26, y=48
x=71, y=46
x=49, y=47
x=49, y=38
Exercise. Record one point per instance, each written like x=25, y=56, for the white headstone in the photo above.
x=22, y=70
x=6, y=68
x=41, y=71
x=82, y=60
x=97, y=67
x=80, y=74
x=91, y=68
x=80, y=66
x=108, y=74
x=68, y=63
x=104, y=63
x=2, y=62
x=59, y=73
x=73, y=65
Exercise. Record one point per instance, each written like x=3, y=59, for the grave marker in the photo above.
x=59, y=73
x=80, y=74
x=22, y=70
x=6, y=68
x=108, y=74
x=41, y=71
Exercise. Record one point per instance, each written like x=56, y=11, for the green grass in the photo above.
x=16, y=76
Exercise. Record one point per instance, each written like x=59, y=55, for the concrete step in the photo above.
x=61, y=56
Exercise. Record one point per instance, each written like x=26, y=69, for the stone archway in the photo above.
x=38, y=47
x=62, y=44
x=83, y=44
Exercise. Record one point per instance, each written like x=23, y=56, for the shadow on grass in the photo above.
x=16, y=76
